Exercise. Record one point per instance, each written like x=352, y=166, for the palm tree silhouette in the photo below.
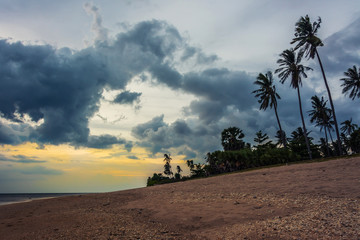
x=351, y=82
x=268, y=97
x=322, y=116
x=348, y=127
x=305, y=37
x=290, y=67
x=167, y=166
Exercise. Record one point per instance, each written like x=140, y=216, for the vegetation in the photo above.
x=290, y=66
x=308, y=41
x=322, y=116
x=268, y=97
x=351, y=82
x=239, y=155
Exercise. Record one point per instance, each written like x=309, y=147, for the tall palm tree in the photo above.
x=305, y=37
x=348, y=127
x=322, y=116
x=268, y=96
x=290, y=66
x=351, y=82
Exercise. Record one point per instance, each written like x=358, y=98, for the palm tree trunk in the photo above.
x=331, y=103
x=331, y=138
x=304, y=127
x=281, y=131
x=327, y=143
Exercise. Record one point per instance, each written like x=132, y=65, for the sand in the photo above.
x=301, y=201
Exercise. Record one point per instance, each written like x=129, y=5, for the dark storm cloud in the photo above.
x=7, y=135
x=158, y=136
x=62, y=88
x=208, y=111
x=127, y=97
x=166, y=75
x=142, y=130
x=181, y=127
x=221, y=85
x=341, y=50
x=106, y=141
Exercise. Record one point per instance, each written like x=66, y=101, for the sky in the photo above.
x=92, y=94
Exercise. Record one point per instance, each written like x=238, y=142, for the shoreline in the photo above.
x=13, y=198
x=319, y=200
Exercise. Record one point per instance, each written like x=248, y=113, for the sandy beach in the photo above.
x=301, y=201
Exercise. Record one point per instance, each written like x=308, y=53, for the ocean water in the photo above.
x=9, y=198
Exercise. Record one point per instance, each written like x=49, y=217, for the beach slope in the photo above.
x=301, y=201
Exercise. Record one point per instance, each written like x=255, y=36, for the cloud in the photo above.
x=133, y=157
x=179, y=137
x=127, y=97
x=101, y=33
x=341, y=50
x=59, y=90
x=107, y=141
x=200, y=56
x=20, y=159
x=40, y=170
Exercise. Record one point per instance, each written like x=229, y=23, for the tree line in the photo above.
x=290, y=67
x=238, y=155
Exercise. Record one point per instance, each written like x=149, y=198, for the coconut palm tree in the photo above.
x=268, y=97
x=322, y=116
x=348, y=127
x=351, y=82
x=290, y=66
x=307, y=39
x=167, y=166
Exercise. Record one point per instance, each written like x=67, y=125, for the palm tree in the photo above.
x=348, y=127
x=351, y=82
x=231, y=139
x=290, y=67
x=178, y=171
x=305, y=37
x=322, y=115
x=167, y=166
x=268, y=96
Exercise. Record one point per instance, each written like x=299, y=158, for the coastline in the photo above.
x=13, y=198
x=302, y=201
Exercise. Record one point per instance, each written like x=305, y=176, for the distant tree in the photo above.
x=351, y=83
x=190, y=163
x=231, y=139
x=290, y=66
x=178, y=173
x=178, y=169
x=268, y=96
x=261, y=138
x=307, y=39
x=196, y=170
x=297, y=144
x=354, y=141
x=280, y=136
x=348, y=127
x=167, y=166
x=322, y=116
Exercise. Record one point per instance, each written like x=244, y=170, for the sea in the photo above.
x=10, y=198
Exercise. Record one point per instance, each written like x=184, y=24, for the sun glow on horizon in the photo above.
x=64, y=168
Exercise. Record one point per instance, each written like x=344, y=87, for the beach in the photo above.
x=319, y=200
